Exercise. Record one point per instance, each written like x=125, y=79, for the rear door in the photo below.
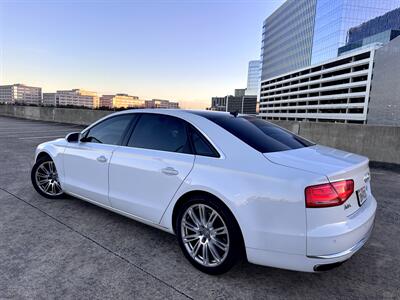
x=86, y=162
x=146, y=172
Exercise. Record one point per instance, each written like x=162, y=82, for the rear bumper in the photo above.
x=303, y=263
x=346, y=252
x=348, y=237
x=339, y=239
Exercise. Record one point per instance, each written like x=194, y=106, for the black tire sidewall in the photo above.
x=235, y=246
x=33, y=179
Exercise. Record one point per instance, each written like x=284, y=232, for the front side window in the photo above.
x=160, y=132
x=110, y=131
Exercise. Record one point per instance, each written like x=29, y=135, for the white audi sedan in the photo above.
x=228, y=186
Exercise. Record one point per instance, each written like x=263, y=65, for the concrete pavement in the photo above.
x=72, y=249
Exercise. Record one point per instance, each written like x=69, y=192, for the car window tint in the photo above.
x=160, y=132
x=109, y=131
x=257, y=133
x=201, y=147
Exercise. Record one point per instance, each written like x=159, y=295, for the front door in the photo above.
x=86, y=162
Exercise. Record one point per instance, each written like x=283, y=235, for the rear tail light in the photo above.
x=329, y=194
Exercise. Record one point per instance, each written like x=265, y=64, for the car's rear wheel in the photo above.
x=45, y=179
x=208, y=235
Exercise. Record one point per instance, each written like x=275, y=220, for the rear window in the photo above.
x=259, y=134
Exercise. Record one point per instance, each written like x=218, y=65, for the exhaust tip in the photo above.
x=327, y=267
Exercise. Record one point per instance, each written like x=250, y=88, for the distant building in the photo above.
x=361, y=86
x=158, y=103
x=301, y=33
x=49, y=99
x=380, y=30
x=240, y=92
x=120, y=101
x=243, y=104
x=253, y=77
x=77, y=97
x=20, y=94
x=219, y=103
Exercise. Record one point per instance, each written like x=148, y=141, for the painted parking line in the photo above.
x=27, y=134
x=32, y=132
x=36, y=127
x=39, y=137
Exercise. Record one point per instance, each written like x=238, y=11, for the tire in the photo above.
x=44, y=170
x=198, y=234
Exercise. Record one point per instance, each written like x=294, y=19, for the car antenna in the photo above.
x=234, y=113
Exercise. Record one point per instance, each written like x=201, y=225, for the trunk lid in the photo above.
x=334, y=164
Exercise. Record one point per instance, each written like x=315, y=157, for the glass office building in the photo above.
x=287, y=38
x=253, y=77
x=333, y=19
x=301, y=33
x=379, y=30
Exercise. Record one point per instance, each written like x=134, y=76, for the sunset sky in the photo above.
x=186, y=51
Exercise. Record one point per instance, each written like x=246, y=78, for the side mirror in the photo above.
x=73, y=137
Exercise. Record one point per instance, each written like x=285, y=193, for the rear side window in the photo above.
x=160, y=132
x=201, y=146
x=259, y=134
x=109, y=131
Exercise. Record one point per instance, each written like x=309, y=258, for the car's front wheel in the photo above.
x=208, y=235
x=45, y=179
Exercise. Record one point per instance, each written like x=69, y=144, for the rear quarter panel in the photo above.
x=266, y=199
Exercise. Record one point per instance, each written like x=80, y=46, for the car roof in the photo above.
x=175, y=112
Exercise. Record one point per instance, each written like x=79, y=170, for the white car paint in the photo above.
x=265, y=192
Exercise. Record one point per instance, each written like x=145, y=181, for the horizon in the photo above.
x=174, y=50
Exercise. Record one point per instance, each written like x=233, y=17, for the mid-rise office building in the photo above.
x=361, y=86
x=77, y=97
x=49, y=99
x=305, y=32
x=158, y=103
x=121, y=101
x=20, y=94
x=253, y=77
x=218, y=103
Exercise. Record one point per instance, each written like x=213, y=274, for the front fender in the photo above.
x=55, y=150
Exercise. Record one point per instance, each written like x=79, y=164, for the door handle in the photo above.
x=102, y=159
x=169, y=171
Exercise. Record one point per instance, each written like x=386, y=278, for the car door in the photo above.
x=86, y=162
x=146, y=173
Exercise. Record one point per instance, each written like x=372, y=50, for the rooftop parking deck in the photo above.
x=72, y=249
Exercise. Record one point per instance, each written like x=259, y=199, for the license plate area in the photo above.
x=362, y=195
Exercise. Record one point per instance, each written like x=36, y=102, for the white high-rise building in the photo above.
x=20, y=94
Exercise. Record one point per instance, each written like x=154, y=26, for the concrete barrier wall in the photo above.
x=379, y=143
x=54, y=114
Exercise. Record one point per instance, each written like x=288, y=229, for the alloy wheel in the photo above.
x=47, y=179
x=205, y=235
